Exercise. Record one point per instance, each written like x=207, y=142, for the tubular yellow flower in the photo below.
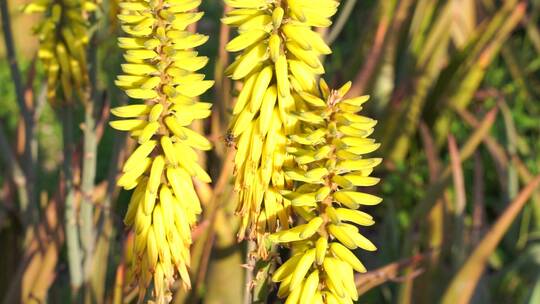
x=329, y=154
x=63, y=37
x=161, y=70
x=279, y=60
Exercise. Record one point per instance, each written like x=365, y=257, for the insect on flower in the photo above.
x=230, y=140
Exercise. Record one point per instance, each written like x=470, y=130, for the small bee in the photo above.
x=229, y=139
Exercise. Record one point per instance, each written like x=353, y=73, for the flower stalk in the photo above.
x=63, y=35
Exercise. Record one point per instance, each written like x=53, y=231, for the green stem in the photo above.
x=89, y=165
x=262, y=283
x=88, y=233
x=105, y=230
x=70, y=212
x=87, y=187
x=248, y=295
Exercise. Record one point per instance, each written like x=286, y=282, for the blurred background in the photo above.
x=455, y=86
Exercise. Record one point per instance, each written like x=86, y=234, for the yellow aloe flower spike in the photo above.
x=63, y=36
x=277, y=63
x=161, y=70
x=331, y=163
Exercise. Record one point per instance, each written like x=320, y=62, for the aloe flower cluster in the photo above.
x=329, y=166
x=161, y=70
x=278, y=61
x=301, y=150
x=63, y=37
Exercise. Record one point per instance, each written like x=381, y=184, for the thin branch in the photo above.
x=250, y=268
x=478, y=199
x=390, y=272
x=111, y=190
x=384, y=30
x=511, y=139
x=222, y=87
x=341, y=21
x=436, y=189
x=434, y=163
x=465, y=152
x=460, y=200
x=462, y=287
x=13, y=167
x=363, y=77
x=497, y=151
x=70, y=212
x=87, y=188
x=457, y=175
x=502, y=161
x=30, y=146
x=208, y=239
x=436, y=217
x=89, y=163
